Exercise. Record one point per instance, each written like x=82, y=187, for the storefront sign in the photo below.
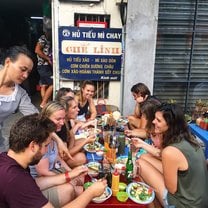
x=90, y=53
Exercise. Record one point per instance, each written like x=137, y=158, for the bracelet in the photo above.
x=67, y=178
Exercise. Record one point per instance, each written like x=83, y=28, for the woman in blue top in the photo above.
x=51, y=163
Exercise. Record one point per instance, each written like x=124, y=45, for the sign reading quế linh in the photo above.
x=90, y=53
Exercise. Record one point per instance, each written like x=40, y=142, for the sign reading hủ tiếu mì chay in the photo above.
x=90, y=53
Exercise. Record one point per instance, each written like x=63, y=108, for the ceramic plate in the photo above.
x=140, y=193
x=93, y=147
x=93, y=168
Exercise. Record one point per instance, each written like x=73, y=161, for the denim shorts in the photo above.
x=165, y=200
x=52, y=195
x=46, y=73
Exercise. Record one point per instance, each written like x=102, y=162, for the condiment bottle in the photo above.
x=106, y=137
x=113, y=149
x=206, y=120
x=129, y=168
x=115, y=182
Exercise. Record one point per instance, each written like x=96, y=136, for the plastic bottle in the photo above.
x=121, y=143
x=115, y=182
x=106, y=138
x=129, y=168
x=113, y=149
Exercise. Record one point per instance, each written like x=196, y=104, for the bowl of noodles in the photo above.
x=106, y=195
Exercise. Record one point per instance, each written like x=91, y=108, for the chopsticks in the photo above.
x=93, y=168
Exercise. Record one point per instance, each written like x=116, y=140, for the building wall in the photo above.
x=63, y=15
x=140, y=44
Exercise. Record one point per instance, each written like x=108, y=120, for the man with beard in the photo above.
x=28, y=141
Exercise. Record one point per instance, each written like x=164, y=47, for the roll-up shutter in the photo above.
x=181, y=63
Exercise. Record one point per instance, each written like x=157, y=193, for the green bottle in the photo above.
x=129, y=168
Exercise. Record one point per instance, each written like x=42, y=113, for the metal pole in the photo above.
x=123, y=13
x=191, y=55
x=55, y=46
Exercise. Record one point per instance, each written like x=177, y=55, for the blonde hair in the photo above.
x=52, y=107
x=67, y=101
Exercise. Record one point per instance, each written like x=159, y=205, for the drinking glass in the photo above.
x=121, y=144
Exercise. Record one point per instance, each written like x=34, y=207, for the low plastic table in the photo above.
x=114, y=203
x=201, y=134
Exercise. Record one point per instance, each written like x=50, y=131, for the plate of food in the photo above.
x=93, y=131
x=81, y=134
x=93, y=147
x=106, y=195
x=140, y=193
x=120, y=164
x=122, y=159
x=93, y=169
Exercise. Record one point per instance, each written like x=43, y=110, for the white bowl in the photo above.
x=121, y=168
x=93, y=169
x=106, y=195
x=100, y=153
x=93, y=131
